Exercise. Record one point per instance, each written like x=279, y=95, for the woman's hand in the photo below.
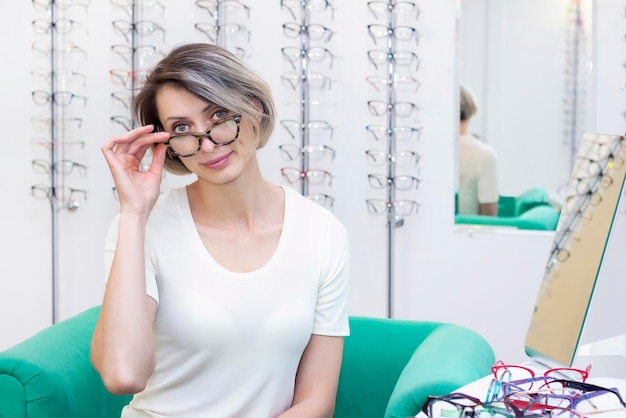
x=137, y=190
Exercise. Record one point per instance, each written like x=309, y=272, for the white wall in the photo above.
x=486, y=281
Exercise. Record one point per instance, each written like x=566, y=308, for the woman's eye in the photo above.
x=220, y=114
x=181, y=129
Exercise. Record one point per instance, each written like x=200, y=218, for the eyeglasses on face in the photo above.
x=212, y=7
x=399, y=207
x=314, y=54
x=314, y=152
x=402, y=109
x=293, y=127
x=314, y=31
x=142, y=28
x=294, y=175
x=401, y=58
x=381, y=9
x=401, y=33
x=60, y=98
x=62, y=26
x=312, y=5
x=400, y=182
x=223, y=132
x=402, y=133
x=402, y=158
x=63, y=167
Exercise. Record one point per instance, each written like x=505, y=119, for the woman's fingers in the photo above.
x=134, y=143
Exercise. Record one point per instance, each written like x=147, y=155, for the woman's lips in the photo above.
x=219, y=162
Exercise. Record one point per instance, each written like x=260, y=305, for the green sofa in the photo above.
x=530, y=210
x=389, y=368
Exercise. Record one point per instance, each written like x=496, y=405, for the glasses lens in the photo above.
x=442, y=408
x=184, y=145
x=404, y=207
x=224, y=131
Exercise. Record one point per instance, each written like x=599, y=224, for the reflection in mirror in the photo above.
x=527, y=65
x=580, y=241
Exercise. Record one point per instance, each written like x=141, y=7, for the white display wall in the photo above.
x=486, y=281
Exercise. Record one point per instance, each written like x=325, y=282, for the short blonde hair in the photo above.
x=215, y=75
x=468, y=106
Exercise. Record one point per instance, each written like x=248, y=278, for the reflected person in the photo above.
x=478, y=184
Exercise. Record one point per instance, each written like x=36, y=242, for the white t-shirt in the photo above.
x=477, y=175
x=229, y=344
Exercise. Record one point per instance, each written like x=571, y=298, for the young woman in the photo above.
x=227, y=297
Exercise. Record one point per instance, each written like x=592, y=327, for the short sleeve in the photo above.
x=109, y=253
x=488, y=180
x=331, y=313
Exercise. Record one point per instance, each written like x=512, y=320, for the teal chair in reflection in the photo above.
x=389, y=368
x=530, y=210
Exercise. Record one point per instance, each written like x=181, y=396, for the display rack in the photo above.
x=59, y=95
x=391, y=31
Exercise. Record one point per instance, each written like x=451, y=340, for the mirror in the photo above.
x=527, y=64
x=579, y=249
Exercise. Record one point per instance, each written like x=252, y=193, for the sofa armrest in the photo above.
x=50, y=375
x=450, y=357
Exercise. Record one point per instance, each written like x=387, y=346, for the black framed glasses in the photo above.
x=401, y=182
x=62, y=26
x=223, y=132
x=459, y=405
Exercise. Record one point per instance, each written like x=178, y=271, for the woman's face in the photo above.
x=182, y=112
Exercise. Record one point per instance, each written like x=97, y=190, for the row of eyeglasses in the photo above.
x=309, y=138
x=517, y=391
x=58, y=89
x=225, y=24
x=394, y=37
x=592, y=174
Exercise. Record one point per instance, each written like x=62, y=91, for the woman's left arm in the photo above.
x=317, y=379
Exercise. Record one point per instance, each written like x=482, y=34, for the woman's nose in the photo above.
x=206, y=144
